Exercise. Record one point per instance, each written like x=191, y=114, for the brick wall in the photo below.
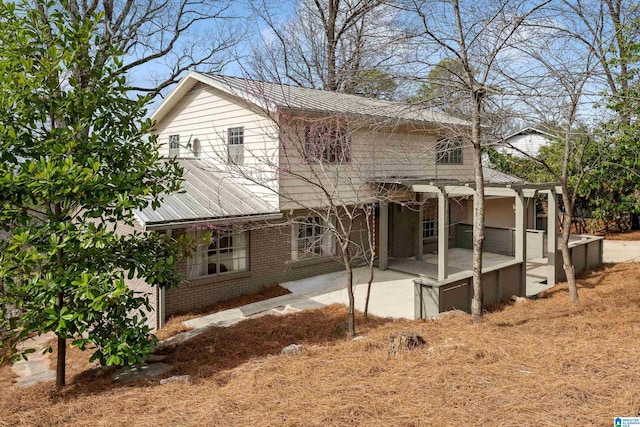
x=269, y=264
x=403, y=222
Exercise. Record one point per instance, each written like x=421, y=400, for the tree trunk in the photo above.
x=478, y=210
x=567, y=263
x=62, y=351
x=331, y=83
x=351, y=319
x=61, y=361
x=366, y=301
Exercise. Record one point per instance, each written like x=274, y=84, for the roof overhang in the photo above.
x=190, y=80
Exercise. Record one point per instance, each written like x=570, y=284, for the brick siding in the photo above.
x=269, y=264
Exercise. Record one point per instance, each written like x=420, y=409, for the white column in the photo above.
x=383, y=258
x=552, y=236
x=418, y=237
x=443, y=235
x=521, y=239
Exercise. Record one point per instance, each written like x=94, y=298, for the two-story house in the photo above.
x=261, y=160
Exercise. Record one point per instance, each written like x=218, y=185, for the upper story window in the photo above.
x=235, y=144
x=224, y=252
x=174, y=146
x=327, y=144
x=449, y=151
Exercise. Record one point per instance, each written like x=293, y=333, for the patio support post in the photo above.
x=383, y=258
x=443, y=235
x=521, y=239
x=419, y=247
x=552, y=236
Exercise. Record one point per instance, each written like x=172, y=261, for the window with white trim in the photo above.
x=174, y=146
x=219, y=250
x=311, y=238
x=235, y=144
x=449, y=152
x=430, y=222
x=327, y=144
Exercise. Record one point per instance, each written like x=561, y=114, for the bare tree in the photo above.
x=336, y=45
x=563, y=61
x=164, y=34
x=474, y=36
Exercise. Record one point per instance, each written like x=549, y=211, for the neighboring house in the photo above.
x=260, y=159
x=525, y=142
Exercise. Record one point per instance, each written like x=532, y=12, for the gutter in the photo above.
x=173, y=224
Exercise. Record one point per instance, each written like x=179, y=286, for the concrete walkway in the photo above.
x=621, y=251
x=389, y=289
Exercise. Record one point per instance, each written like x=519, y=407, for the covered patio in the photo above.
x=449, y=268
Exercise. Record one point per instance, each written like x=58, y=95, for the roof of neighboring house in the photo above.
x=209, y=193
x=273, y=96
x=529, y=130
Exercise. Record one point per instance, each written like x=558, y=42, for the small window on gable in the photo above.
x=235, y=145
x=174, y=146
x=327, y=144
x=449, y=151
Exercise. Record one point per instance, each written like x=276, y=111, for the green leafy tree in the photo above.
x=74, y=162
x=443, y=89
x=374, y=83
x=614, y=186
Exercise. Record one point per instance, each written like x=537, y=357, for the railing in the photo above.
x=500, y=282
x=502, y=240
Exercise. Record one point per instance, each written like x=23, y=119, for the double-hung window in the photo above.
x=219, y=250
x=449, y=151
x=311, y=238
x=235, y=145
x=430, y=222
x=327, y=144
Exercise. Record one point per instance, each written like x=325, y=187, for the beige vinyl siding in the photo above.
x=206, y=114
x=375, y=154
x=500, y=212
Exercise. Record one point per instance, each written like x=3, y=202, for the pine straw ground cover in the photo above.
x=542, y=362
x=174, y=324
x=629, y=235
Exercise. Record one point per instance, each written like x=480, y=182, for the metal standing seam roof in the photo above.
x=314, y=100
x=491, y=176
x=209, y=193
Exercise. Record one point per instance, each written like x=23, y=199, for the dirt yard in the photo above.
x=536, y=363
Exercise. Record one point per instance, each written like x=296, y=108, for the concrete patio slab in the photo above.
x=459, y=260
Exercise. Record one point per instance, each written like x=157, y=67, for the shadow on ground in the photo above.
x=218, y=350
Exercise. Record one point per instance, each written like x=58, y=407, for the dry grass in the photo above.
x=629, y=235
x=543, y=362
x=174, y=325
